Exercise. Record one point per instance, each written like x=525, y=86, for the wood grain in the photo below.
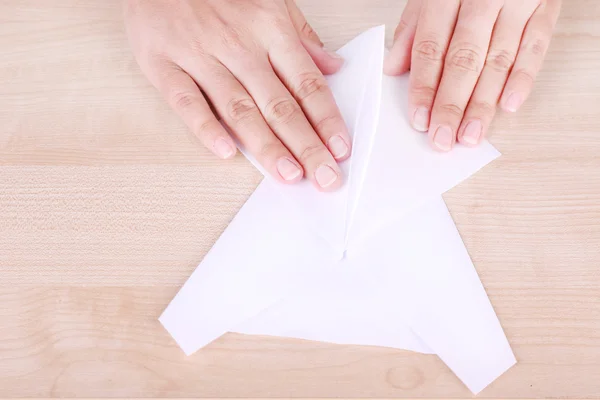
x=107, y=205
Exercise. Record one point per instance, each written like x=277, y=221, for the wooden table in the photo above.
x=107, y=205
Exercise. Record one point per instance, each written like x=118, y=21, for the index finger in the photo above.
x=434, y=30
x=306, y=83
x=287, y=120
x=464, y=62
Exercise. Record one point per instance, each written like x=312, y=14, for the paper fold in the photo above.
x=406, y=280
x=357, y=92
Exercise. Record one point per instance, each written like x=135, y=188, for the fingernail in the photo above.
x=472, y=132
x=335, y=55
x=421, y=119
x=223, y=148
x=325, y=176
x=288, y=169
x=513, y=102
x=443, y=138
x=338, y=147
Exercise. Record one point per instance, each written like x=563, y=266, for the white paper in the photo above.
x=406, y=280
x=357, y=89
x=425, y=298
x=405, y=169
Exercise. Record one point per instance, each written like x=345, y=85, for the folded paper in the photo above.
x=379, y=262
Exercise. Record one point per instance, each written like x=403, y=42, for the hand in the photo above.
x=466, y=57
x=260, y=66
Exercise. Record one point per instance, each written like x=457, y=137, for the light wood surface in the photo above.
x=107, y=205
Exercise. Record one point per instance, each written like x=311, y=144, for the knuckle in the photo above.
x=464, y=59
x=424, y=92
x=183, y=100
x=452, y=110
x=402, y=25
x=329, y=124
x=241, y=109
x=285, y=36
x=198, y=47
x=538, y=47
x=307, y=30
x=289, y=45
x=482, y=108
x=310, y=33
x=500, y=60
x=537, y=42
x=316, y=38
x=282, y=111
x=310, y=84
x=204, y=128
x=525, y=76
x=231, y=40
x=268, y=13
x=428, y=50
x=269, y=150
x=154, y=63
x=311, y=151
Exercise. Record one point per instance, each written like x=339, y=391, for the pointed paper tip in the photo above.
x=340, y=256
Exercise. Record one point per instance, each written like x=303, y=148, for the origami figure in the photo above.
x=379, y=262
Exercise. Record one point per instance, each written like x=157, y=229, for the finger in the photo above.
x=463, y=65
x=534, y=46
x=186, y=99
x=328, y=62
x=308, y=86
x=287, y=120
x=500, y=59
x=243, y=118
x=301, y=25
x=397, y=60
x=434, y=30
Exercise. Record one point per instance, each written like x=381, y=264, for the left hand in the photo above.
x=466, y=57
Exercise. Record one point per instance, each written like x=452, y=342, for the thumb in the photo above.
x=398, y=60
x=327, y=62
x=303, y=28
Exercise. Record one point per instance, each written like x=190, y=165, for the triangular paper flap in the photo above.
x=445, y=302
x=403, y=168
x=263, y=255
x=356, y=88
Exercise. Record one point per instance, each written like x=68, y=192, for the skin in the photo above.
x=258, y=67
x=466, y=57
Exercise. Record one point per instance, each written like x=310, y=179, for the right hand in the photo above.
x=260, y=66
